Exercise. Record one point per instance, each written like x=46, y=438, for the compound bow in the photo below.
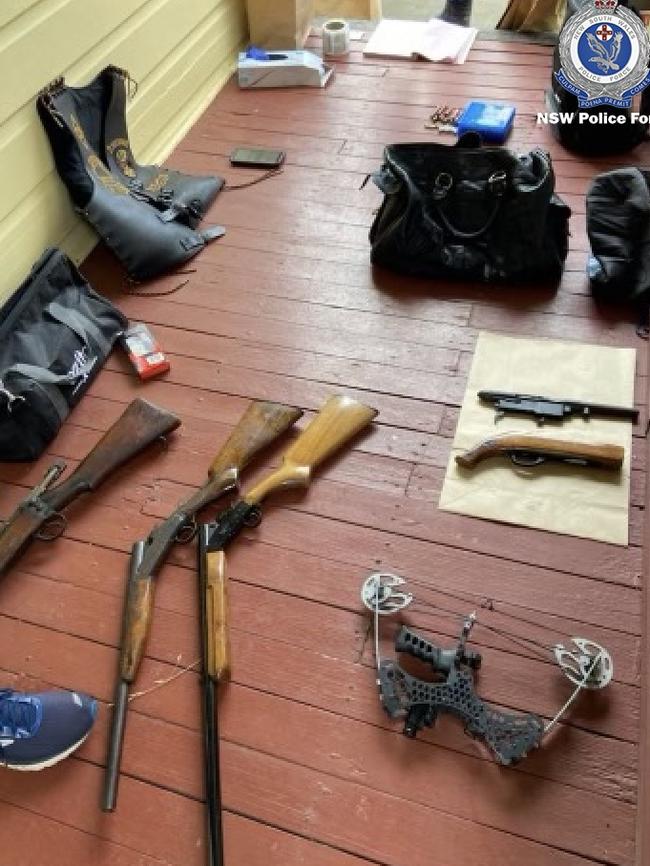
x=509, y=736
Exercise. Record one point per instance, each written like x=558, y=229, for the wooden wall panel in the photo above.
x=180, y=54
x=369, y=9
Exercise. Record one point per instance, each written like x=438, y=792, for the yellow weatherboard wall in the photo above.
x=179, y=51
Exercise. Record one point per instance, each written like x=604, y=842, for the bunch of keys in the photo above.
x=443, y=118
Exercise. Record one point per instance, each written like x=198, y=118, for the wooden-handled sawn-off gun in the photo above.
x=340, y=419
x=260, y=425
x=40, y=513
x=527, y=451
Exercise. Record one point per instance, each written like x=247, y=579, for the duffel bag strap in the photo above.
x=49, y=381
x=87, y=331
x=82, y=326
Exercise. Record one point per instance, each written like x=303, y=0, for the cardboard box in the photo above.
x=279, y=23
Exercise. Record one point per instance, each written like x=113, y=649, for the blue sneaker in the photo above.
x=39, y=730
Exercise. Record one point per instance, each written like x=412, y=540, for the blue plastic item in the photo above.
x=492, y=120
x=255, y=53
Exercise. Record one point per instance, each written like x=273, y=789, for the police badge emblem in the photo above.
x=604, y=51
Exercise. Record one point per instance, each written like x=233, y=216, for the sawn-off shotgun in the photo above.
x=339, y=421
x=40, y=513
x=261, y=424
x=528, y=451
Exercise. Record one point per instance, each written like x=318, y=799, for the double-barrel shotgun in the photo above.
x=340, y=419
x=260, y=425
x=40, y=514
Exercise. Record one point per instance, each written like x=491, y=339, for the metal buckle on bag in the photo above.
x=442, y=184
x=10, y=398
x=497, y=182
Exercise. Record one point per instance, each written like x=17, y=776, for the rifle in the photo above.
x=260, y=425
x=40, y=513
x=530, y=451
x=340, y=419
x=550, y=409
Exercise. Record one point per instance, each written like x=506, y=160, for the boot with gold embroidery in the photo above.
x=180, y=196
x=100, y=108
x=145, y=238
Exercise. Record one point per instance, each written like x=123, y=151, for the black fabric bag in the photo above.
x=55, y=333
x=469, y=212
x=618, y=226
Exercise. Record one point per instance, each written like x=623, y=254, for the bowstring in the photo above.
x=541, y=649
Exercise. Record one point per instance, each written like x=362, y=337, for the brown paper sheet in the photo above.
x=587, y=503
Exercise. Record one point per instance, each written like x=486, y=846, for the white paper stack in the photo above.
x=434, y=40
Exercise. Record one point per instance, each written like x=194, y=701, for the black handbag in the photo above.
x=469, y=212
x=55, y=333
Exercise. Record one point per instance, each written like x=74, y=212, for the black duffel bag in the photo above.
x=618, y=226
x=55, y=333
x=469, y=212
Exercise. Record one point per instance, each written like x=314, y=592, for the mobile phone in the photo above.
x=257, y=157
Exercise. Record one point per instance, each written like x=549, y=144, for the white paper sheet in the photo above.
x=434, y=40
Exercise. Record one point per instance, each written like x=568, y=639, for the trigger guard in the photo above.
x=187, y=532
x=53, y=527
x=254, y=517
x=526, y=459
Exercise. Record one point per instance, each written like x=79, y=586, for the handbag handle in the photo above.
x=443, y=184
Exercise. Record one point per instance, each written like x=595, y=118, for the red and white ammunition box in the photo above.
x=144, y=352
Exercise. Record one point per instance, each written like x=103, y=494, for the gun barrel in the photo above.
x=212, y=773
x=120, y=706
x=114, y=759
x=553, y=407
x=216, y=665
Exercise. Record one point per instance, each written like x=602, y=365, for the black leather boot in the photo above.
x=457, y=12
x=143, y=237
x=100, y=108
x=180, y=196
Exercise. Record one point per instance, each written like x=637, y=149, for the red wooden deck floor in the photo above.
x=286, y=307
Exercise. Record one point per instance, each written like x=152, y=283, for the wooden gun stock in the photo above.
x=340, y=419
x=139, y=425
x=529, y=451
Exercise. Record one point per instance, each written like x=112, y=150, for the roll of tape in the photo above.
x=336, y=37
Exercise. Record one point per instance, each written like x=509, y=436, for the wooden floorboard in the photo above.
x=287, y=307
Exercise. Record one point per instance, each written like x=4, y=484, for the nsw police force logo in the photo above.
x=604, y=51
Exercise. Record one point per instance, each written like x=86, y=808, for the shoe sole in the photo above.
x=43, y=765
